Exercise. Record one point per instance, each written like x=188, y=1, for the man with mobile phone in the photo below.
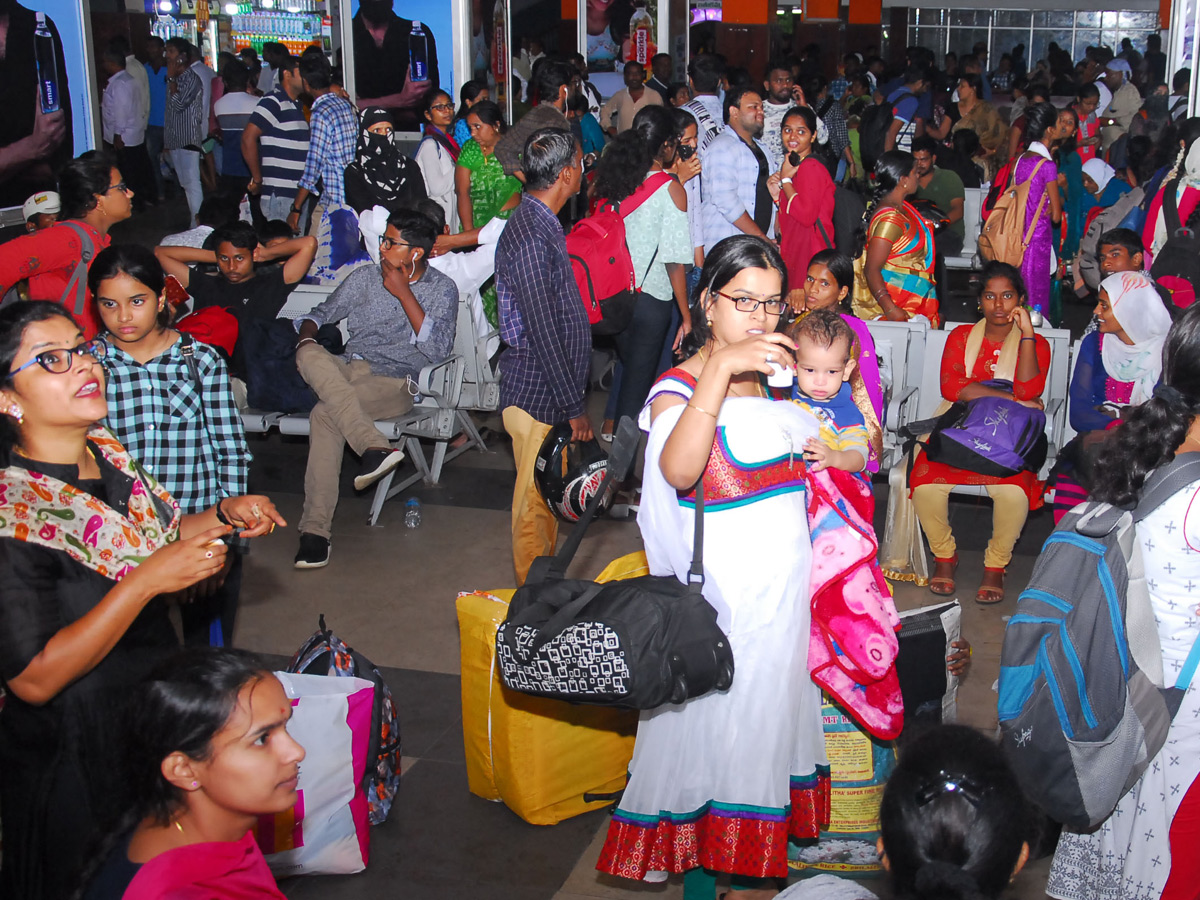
x=401, y=316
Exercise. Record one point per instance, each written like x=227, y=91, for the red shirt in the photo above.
x=48, y=259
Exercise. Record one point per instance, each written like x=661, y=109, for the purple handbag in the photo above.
x=990, y=435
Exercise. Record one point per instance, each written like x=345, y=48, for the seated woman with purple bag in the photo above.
x=1000, y=347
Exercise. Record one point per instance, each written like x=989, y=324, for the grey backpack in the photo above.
x=1080, y=707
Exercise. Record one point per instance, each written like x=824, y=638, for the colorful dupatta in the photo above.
x=908, y=272
x=42, y=510
x=443, y=140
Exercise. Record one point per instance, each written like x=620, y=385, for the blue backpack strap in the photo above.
x=1189, y=667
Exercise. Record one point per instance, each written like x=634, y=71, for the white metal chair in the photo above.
x=972, y=223
x=902, y=345
x=1054, y=395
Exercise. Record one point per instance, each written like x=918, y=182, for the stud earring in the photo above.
x=17, y=413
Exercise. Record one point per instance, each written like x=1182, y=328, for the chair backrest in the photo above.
x=972, y=219
x=1068, y=431
x=481, y=381
x=1056, y=380
x=908, y=342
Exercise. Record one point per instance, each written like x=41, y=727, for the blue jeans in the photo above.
x=841, y=170
x=186, y=164
x=154, y=147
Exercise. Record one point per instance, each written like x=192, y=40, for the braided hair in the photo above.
x=889, y=169
x=1152, y=433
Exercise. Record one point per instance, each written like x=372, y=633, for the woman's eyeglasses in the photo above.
x=58, y=362
x=443, y=106
x=774, y=306
x=119, y=186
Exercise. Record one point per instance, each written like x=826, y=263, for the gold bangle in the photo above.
x=700, y=410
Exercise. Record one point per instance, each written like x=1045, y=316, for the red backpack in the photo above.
x=601, y=263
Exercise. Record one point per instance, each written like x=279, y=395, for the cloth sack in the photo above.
x=326, y=832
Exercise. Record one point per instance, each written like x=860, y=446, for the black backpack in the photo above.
x=849, y=207
x=873, y=127
x=1177, y=265
x=326, y=654
x=267, y=350
x=636, y=644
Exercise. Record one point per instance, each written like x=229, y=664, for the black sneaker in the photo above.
x=313, y=552
x=376, y=464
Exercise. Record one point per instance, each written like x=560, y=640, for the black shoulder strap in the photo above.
x=1170, y=207
x=187, y=349
x=1165, y=482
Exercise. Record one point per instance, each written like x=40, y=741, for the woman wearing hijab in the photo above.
x=381, y=175
x=1102, y=185
x=1116, y=369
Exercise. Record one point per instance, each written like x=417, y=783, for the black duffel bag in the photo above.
x=636, y=644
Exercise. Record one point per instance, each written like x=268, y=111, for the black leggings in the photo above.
x=639, y=347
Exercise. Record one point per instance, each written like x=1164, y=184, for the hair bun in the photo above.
x=937, y=878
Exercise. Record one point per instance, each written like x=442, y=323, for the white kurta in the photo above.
x=713, y=781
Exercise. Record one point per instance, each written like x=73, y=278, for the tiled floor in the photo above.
x=390, y=592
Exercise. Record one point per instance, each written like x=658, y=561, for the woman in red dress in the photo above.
x=803, y=191
x=1001, y=345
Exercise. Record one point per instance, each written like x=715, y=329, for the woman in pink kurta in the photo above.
x=803, y=191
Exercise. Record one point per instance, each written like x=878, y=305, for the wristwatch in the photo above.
x=295, y=210
x=785, y=180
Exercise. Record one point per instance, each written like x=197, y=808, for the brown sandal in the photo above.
x=943, y=585
x=989, y=595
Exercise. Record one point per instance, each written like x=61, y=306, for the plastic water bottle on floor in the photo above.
x=412, y=513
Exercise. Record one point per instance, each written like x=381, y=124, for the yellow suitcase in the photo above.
x=539, y=756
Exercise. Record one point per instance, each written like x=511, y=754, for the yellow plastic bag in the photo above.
x=539, y=756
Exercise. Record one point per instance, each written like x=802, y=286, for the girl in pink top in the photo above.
x=829, y=280
x=209, y=753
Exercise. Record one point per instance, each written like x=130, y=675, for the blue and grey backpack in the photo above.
x=1082, y=708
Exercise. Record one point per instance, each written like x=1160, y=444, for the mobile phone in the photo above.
x=794, y=158
x=685, y=151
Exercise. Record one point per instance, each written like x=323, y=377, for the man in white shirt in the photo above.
x=590, y=91
x=137, y=71
x=124, y=125
x=268, y=78
x=617, y=114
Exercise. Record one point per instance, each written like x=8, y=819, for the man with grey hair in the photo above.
x=544, y=370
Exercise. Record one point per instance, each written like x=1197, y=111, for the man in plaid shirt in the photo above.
x=544, y=370
x=331, y=146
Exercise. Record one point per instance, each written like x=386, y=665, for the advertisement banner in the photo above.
x=396, y=55
x=45, y=92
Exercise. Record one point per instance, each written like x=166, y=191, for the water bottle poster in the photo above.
x=44, y=92
x=402, y=51
x=621, y=31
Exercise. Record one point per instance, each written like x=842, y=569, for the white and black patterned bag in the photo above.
x=636, y=644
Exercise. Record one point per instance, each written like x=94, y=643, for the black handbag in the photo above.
x=636, y=644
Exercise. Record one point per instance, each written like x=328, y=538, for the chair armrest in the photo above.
x=902, y=409
x=1056, y=419
x=442, y=380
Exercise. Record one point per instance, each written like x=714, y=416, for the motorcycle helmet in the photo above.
x=569, y=473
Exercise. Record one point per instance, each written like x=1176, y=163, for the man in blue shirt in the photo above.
x=544, y=370
x=156, y=73
x=736, y=166
x=906, y=119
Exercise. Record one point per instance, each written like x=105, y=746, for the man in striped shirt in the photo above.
x=184, y=121
x=275, y=143
x=334, y=136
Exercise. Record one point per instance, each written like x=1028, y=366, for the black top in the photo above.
x=363, y=191
x=115, y=875
x=260, y=297
x=58, y=761
x=18, y=93
x=380, y=71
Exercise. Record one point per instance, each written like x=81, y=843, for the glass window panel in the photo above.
x=1043, y=37
x=962, y=40
x=932, y=39
x=1003, y=41
x=1053, y=19
x=1011, y=18
x=1083, y=40
x=1110, y=19
x=970, y=17
x=1087, y=19
x=1111, y=38
x=1144, y=21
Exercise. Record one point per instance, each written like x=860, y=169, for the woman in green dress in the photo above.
x=484, y=191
